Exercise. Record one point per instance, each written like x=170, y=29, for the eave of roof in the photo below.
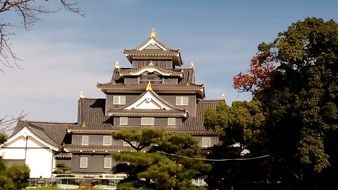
x=112, y=87
x=147, y=113
x=138, y=71
x=168, y=130
x=95, y=149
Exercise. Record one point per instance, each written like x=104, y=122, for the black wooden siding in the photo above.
x=139, y=63
x=95, y=163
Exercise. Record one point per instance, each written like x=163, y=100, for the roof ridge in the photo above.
x=48, y=122
x=205, y=100
x=92, y=98
x=44, y=132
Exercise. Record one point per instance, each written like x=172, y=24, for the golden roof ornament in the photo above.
x=192, y=66
x=153, y=33
x=81, y=94
x=117, y=65
x=151, y=64
x=223, y=97
x=149, y=86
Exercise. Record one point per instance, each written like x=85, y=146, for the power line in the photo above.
x=217, y=160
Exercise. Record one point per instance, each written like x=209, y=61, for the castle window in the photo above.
x=85, y=140
x=206, y=142
x=123, y=120
x=171, y=121
x=147, y=121
x=107, y=140
x=152, y=77
x=124, y=143
x=83, y=162
x=182, y=100
x=119, y=100
x=107, y=163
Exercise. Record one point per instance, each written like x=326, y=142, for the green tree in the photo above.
x=19, y=174
x=13, y=177
x=62, y=169
x=295, y=77
x=159, y=161
x=241, y=133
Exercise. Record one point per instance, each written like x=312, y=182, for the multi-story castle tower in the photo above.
x=156, y=91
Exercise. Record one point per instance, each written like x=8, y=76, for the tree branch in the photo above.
x=28, y=12
x=7, y=124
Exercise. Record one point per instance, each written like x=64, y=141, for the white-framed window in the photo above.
x=107, y=163
x=119, y=100
x=147, y=121
x=182, y=100
x=171, y=121
x=123, y=120
x=83, y=162
x=85, y=140
x=107, y=140
x=206, y=142
x=124, y=143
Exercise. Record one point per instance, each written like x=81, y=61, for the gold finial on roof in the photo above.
x=149, y=86
x=117, y=65
x=192, y=66
x=153, y=33
x=151, y=63
x=223, y=97
x=81, y=94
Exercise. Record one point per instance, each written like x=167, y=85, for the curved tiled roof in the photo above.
x=50, y=132
x=93, y=116
x=162, y=51
x=133, y=71
x=96, y=149
x=158, y=88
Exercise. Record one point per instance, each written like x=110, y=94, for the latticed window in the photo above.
x=119, y=100
x=124, y=143
x=107, y=140
x=182, y=100
x=147, y=121
x=171, y=121
x=206, y=142
x=83, y=162
x=153, y=78
x=123, y=120
x=107, y=163
x=85, y=140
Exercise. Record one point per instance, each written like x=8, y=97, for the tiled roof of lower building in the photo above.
x=51, y=132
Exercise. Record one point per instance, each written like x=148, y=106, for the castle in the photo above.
x=156, y=91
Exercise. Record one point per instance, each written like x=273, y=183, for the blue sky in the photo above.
x=64, y=53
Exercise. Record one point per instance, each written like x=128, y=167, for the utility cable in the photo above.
x=217, y=160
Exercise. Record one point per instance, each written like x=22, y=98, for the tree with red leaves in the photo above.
x=295, y=77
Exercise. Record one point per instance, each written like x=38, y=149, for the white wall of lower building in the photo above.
x=37, y=156
x=40, y=161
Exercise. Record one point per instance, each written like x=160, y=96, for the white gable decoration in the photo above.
x=152, y=44
x=24, y=132
x=31, y=150
x=149, y=70
x=148, y=101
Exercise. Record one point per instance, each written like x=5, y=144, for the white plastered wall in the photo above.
x=38, y=155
